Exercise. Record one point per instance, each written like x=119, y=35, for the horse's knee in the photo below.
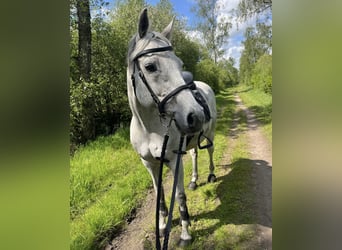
x=181, y=197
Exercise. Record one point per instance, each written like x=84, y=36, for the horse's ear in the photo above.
x=143, y=23
x=167, y=32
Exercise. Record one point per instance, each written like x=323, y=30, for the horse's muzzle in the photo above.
x=190, y=123
x=194, y=123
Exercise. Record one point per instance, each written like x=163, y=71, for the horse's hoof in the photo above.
x=192, y=185
x=211, y=178
x=184, y=243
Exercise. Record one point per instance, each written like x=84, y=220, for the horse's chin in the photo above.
x=187, y=130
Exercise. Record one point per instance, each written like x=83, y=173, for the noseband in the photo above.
x=160, y=104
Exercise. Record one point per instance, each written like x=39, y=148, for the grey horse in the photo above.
x=162, y=103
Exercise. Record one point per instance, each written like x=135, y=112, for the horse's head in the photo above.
x=155, y=78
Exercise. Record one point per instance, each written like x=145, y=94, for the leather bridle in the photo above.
x=160, y=104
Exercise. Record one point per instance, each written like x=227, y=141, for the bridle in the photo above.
x=160, y=104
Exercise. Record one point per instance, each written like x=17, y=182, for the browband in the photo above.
x=147, y=51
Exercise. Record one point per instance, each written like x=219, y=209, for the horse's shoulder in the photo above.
x=206, y=89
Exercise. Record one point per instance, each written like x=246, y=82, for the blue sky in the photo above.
x=234, y=45
x=182, y=7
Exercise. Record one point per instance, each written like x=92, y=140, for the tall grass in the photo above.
x=107, y=180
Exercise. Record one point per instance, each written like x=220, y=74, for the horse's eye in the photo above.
x=151, y=67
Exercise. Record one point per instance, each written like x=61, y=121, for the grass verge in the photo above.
x=107, y=181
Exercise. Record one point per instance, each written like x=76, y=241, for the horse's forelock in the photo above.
x=138, y=44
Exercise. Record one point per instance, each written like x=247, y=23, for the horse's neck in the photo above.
x=147, y=119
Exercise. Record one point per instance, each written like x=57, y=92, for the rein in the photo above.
x=162, y=159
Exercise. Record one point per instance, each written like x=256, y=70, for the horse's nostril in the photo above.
x=191, y=120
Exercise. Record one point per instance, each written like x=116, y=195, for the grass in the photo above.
x=108, y=181
x=260, y=103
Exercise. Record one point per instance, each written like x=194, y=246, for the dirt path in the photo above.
x=140, y=231
x=261, y=156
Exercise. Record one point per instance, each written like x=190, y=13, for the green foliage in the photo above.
x=247, y=8
x=107, y=181
x=100, y=105
x=95, y=108
x=217, y=76
x=228, y=74
x=208, y=72
x=257, y=44
x=262, y=74
x=187, y=50
x=124, y=22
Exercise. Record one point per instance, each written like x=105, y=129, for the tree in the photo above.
x=214, y=27
x=207, y=71
x=249, y=8
x=257, y=43
x=262, y=74
x=229, y=75
x=84, y=38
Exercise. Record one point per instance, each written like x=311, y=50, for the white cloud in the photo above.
x=234, y=51
x=234, y=46
x=195, y=35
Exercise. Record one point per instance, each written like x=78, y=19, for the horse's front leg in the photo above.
x=211, y=176
x=193, y=184
x=153, y=169
x=185, y=238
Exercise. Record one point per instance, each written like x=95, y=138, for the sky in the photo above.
x=234, y=45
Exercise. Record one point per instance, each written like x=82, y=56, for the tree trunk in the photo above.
x=84, y=38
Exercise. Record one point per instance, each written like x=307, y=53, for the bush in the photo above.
x=208, y=72
x=96, y=109
x=262, y=74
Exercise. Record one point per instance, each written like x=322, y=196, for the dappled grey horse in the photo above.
x=165, y=100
